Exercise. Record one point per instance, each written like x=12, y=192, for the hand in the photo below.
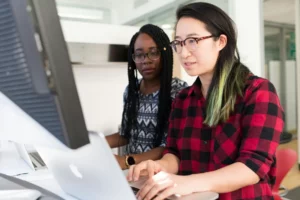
x=121, y=161
x=163, y=185
x=148, y=167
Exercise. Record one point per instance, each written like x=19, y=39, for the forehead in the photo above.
x=189, y=26
x=144, y=42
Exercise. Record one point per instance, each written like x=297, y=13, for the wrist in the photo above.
x=163, y=164
x=129, y=160
x=122, y=162
x=200, y=182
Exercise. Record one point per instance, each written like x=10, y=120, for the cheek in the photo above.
x=207, y=55
x=138, y=67
x=158, y=63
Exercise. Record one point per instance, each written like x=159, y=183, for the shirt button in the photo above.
x=205, y=142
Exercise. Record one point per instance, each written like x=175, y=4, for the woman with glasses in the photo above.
x=147, y=101
x=225, y=128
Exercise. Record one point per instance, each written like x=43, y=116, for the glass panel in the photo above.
x=290, y=44
x=272, y=56
x=290, y=84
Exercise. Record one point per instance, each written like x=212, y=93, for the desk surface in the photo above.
x=43, y=178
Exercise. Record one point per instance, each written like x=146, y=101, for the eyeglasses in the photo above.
x=190, y=43
x=140, y=57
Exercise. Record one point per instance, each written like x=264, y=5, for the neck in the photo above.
x=150, y=86
x=151, y=83
x=205, y=83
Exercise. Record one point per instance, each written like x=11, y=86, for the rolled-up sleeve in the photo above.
x=262, y=124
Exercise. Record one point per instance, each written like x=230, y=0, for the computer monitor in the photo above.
x=35, y=69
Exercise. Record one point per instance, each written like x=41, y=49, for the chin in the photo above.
x=149, y=78
x=191, y=72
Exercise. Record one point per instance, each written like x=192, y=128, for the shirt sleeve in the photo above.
x=262, y=124
x=125, y=94
x=171, y=146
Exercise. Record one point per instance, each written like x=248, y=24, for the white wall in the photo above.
x=100, y=85
x=101, y=90
x=289, y=91
x=84, y=32
x=248, y=16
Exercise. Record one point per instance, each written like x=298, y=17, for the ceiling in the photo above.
x=87, y=3
x=280, y=11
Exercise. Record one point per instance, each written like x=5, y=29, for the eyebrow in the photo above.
x=150, y=48
x=189, y=35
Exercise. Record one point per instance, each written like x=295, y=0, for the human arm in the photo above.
x=116, y=140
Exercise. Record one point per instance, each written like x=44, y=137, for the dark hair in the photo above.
x=229, y=77
x=164, y=105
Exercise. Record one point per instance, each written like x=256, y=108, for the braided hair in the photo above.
x=132, y=101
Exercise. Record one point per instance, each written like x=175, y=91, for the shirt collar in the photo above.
x=196, y=88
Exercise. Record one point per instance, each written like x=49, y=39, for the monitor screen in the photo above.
x=35, y=69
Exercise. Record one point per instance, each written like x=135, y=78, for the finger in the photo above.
x=137, y=170
x=156, y=179
x=150, y=169
x=130, y=173
x=166, y=193
x=146, y=187
x=158, y=187
x=144, y=172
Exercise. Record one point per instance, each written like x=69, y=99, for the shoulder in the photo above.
x=255, y=83
x=176, y=86
x=260, y=89
x=125, y=93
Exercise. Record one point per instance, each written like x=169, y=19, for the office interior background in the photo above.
x=267, y=31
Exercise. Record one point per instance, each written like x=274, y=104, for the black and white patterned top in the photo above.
x=143, y=134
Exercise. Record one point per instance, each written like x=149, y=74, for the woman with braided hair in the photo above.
x=147, y=101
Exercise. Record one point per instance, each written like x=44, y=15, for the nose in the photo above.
x=146, y=60
x=184, y=52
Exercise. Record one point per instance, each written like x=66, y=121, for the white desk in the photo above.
x=44, y=179
x=11, y=164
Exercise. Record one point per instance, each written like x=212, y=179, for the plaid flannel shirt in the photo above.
x=250, y=135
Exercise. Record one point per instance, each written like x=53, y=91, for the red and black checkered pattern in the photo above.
x=251, y=136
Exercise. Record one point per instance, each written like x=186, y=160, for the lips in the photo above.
x=188, y=64
x=148, y=70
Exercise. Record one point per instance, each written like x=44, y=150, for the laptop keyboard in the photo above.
x=135, y=190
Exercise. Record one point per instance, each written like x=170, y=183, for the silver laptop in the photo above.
x=88, y=173
x=91, y=172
